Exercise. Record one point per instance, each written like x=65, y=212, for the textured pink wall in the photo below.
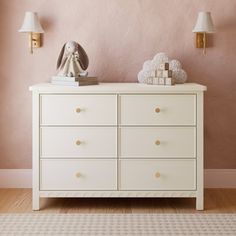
x=118, y=35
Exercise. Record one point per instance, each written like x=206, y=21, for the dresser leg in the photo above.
x=199, y=203
x=36, y=202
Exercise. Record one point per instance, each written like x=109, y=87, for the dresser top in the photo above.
x=118, y=88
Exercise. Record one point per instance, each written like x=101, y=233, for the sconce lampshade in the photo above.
x=204, y=23
x=31, y=23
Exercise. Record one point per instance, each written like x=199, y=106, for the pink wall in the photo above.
x=118, y=35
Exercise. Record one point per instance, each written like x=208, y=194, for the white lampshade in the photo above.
x=31, y=23
x=204, y=23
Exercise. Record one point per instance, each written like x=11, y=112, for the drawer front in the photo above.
x=154, y=142
x=60, y=142
x=158, y=175
x=78, y=174
x=78, y=110
x=158, y=109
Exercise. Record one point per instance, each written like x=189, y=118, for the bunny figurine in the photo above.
x=72, y=61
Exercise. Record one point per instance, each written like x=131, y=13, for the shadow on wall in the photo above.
x=47, y=24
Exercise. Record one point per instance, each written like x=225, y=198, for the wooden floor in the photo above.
x=19, y=201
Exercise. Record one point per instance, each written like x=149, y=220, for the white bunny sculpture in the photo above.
x=72, y=61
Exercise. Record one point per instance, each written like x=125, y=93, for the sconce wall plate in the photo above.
x=36, y=40
x=199, y=40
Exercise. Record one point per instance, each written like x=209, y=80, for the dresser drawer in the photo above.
x=78, y=110
x=158, y=142
x=158, y=175
x=158, y=110
x=96, y=142
x=78, y=174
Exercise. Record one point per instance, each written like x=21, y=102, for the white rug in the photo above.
x=118, y=224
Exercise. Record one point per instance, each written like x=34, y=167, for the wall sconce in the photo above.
x=203, y=26
x=31, y=25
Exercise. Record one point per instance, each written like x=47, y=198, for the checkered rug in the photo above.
x=118, y=224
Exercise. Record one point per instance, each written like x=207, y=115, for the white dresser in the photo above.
x=118, y=140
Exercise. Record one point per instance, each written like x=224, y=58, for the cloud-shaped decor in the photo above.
x=178, y=74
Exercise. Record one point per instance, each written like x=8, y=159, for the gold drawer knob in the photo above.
x=78, y=174
x=78, y=142
x=78, y=110
x=158, y=142
x=157, y=175
x=157, y=110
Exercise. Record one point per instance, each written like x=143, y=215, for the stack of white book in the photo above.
x=73, y=81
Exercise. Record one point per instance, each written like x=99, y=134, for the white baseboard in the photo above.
x=22, y=178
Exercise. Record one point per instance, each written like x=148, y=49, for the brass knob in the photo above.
x=78, y=142
x=158, y=142
x=157, y=175
x=78, y=110
x=78, y=175
x=157, y=110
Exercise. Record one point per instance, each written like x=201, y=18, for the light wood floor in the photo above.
x=19, y=201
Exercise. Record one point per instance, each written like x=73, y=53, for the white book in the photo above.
x=65, y=83
x=73, y=83
x=63, y=78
